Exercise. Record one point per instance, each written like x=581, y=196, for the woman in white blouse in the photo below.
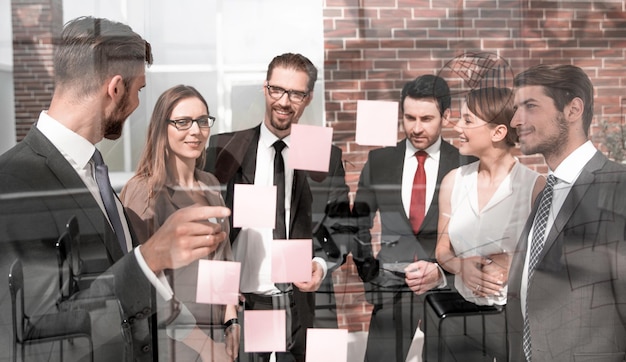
x=483, y=206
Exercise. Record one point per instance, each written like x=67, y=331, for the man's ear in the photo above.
x=574, y=110
x=116, y=88
x=445, y=118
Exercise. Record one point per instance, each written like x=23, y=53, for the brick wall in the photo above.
x=373, y=47
x=34, y=23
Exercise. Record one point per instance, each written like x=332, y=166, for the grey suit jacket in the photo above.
x=39, y=192
x=577, y=297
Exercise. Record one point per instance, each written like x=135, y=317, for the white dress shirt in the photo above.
x=431, y=167
x=567, y=173
x=253, y=246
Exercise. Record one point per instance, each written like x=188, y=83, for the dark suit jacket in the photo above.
x=380, y=189
x=231, y=157
x=39, y=192
x=577, y=297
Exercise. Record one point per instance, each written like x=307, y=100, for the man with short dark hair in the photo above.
x=56, y=173
x=567, y=290
x=408, y=215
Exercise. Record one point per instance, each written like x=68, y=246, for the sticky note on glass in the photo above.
x=264, y=331
x=309, y=148
x=326, y=345
x=218, y=282
x=254, y=206
x=376, y=123
x=291, y=260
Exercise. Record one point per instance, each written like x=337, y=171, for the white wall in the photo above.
x=221, y=47
x=7, y=99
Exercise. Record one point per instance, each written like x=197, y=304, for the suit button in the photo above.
x=131, y=320
x=145, y=349
x=139, y=315
x=146, y=311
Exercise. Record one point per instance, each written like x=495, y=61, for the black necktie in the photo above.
x=280, y=231
x=106, y=192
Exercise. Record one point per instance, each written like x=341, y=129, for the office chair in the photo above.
x=84, y=270
x=45, y=328
x=448, y=304
x=64, y=254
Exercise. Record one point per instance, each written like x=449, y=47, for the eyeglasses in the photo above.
x=185, y=123
x=278, y=92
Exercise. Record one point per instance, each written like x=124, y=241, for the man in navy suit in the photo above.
x=247, y=157
x=567, y=283
x=405, y=267
x=50, y=176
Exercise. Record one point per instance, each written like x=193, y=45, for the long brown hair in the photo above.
x=152, y=164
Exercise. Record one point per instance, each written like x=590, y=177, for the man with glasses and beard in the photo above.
x=248, y=157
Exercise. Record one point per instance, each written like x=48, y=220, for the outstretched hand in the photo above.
x=186, y=236
x=316, y=279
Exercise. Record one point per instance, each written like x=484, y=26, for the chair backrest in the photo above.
x=16, y=287
x=74, y=233
x=64, y=254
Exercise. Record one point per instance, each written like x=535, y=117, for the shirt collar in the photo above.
x=267, y=138
x=65, y=140
x=572, y=165
x=432, y=150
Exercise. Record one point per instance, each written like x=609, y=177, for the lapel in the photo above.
x=575, y=196
x=69, y=179
x=236, y=156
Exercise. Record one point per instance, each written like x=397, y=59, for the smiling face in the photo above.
x=281, y=113
x=541, y=128
x=422, y=121
x=474, y=133
x=187, y=145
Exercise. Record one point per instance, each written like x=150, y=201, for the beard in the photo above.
x=113, y=125
x=280, y=126
x=554, y=143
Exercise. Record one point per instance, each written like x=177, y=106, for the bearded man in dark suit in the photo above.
x=51, y=176
x=248, y=157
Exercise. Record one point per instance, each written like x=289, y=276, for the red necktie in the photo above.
x=418, y=195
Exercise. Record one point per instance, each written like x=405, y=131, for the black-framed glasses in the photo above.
x=278, y=92
x=185, y=123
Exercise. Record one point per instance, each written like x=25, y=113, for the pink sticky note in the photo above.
x=264, y=331
x=291, y=260
x=218, y=282
x=376, y=123
x=254, y=206
x=326, y=345
x=309, y=147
